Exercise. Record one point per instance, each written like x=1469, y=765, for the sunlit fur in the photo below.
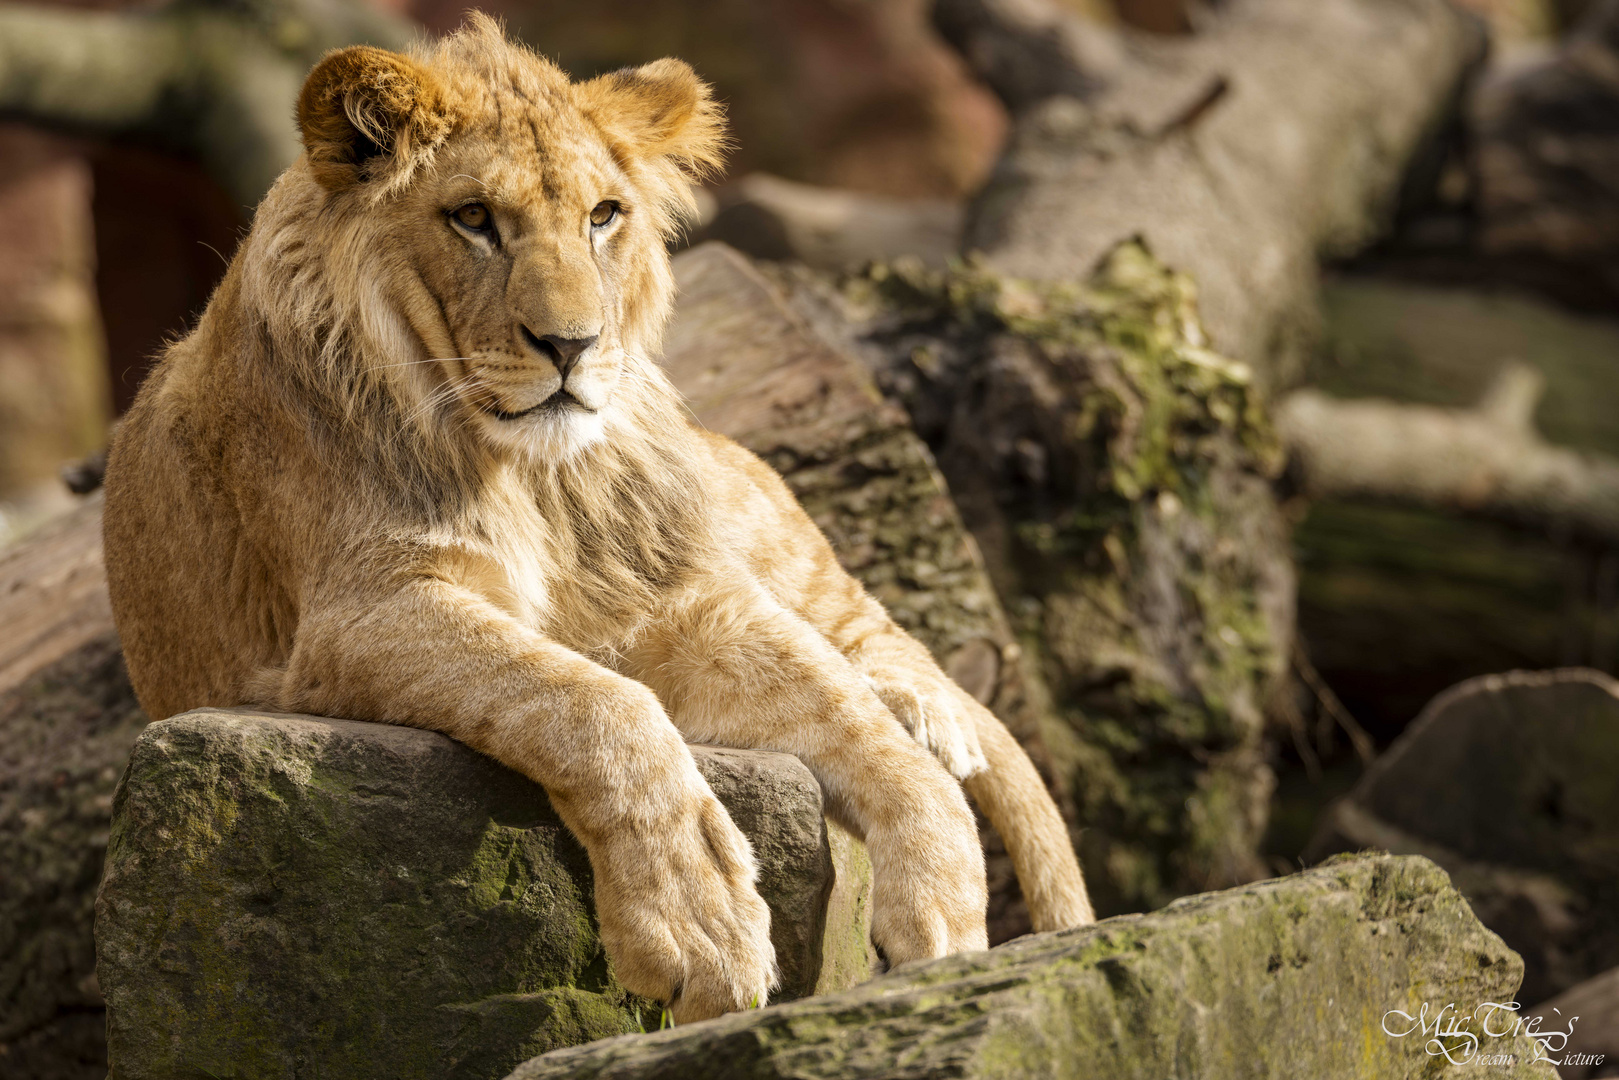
x=332, y=497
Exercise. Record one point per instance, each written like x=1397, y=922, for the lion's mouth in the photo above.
x=559, y=402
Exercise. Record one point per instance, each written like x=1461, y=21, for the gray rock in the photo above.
x=68, y=718
x=1507, y=782
x=1589, y=1013
x=287, y=894
x=1295, y=977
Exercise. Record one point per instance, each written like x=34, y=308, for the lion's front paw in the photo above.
x=928, y=888
x=680, y=916
x=938, y=716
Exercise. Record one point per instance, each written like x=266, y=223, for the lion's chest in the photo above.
x=557, y=597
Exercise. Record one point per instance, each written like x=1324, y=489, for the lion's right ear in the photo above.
x=369, y=115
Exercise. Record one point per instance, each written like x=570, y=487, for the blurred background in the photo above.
x=1482, y=286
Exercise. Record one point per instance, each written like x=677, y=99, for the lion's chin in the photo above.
x=548, y=436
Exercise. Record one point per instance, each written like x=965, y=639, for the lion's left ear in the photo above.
x=368, y=114
x=661, y=109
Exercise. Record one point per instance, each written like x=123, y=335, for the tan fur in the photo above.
x=332, y=498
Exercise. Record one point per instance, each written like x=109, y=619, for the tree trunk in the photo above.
x=1277, y=134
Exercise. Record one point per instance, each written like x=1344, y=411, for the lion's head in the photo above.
x=488, y=237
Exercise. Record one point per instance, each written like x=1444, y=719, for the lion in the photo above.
x=417, y=464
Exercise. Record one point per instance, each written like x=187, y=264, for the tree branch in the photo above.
x=1488, y=459
x=212, y=81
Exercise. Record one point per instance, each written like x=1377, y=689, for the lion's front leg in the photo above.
x=675, y=894
x=939, y=714
x=996, y=771
x=736, y=668
x=976, y=747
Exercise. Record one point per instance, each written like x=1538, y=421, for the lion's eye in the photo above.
x=474, y=216
x=604, y=213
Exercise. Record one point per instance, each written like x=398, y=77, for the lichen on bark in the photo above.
x=1116, y=472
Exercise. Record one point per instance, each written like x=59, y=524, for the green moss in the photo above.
x=391, y=928
x=1289, y=977
x=289, y=897
x=1147, y=562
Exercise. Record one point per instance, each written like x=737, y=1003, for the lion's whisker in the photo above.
x=428, y=360
x=440, y=396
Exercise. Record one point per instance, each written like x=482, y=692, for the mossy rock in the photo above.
x=1302, y=976
x=1507, y=782
x=1117, y=475
x=296, y=896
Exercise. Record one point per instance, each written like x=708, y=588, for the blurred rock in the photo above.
x=54, y=398
x=1596, y=1036
x=1507, y=782
x=829, y=229
x=1547, y=158
x=1288, y=978
x=849, y=95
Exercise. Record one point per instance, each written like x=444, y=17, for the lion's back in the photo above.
x=173, y=553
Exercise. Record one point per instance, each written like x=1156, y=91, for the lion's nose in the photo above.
x=561, y=351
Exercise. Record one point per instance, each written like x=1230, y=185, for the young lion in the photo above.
x=416, y=465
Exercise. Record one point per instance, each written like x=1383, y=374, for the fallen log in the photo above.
x=1443, y=563
x=1488, y=459
x=1278, y=133
x=1117, y=476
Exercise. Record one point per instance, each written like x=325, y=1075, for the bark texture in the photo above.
x=1116, y=473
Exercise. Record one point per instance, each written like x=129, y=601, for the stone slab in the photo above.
x=1302, y=976
x=293, y=896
